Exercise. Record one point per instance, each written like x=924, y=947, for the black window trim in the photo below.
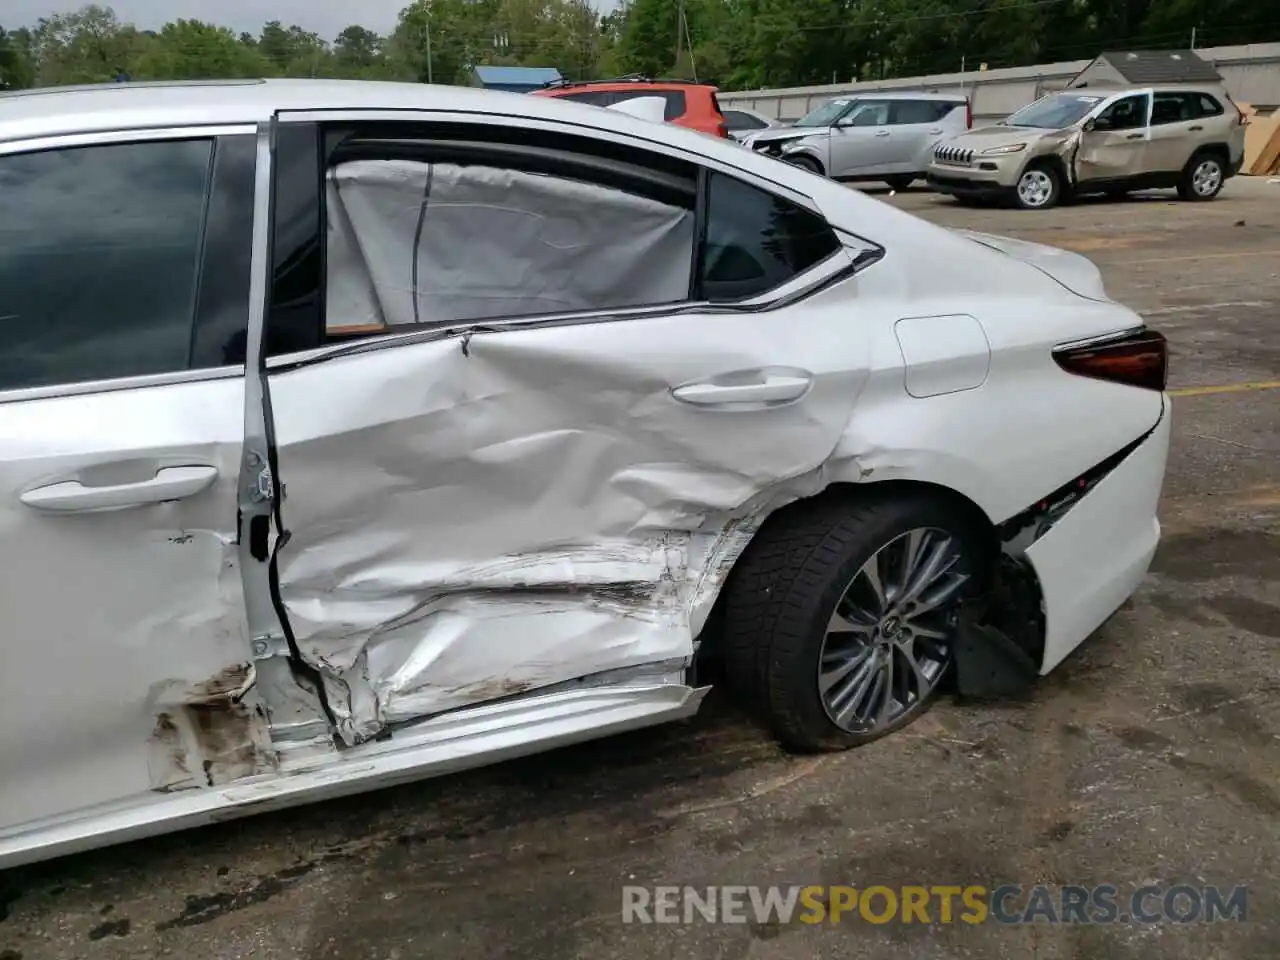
x=110, y=137
x=841, y=264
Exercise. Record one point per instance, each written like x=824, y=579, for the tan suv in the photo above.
x=1097, y=141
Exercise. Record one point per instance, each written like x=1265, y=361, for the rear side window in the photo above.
x=599, y=98
x=756, y=241
x=675, y=107
x=737, y=120
x=1178, y=107
x=99, y=260
x=919, y=111
x=1209, y=106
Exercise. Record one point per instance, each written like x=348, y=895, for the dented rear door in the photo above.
x=478, y=511
x=124, y=279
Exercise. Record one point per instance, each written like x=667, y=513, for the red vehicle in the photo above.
x=691, y=105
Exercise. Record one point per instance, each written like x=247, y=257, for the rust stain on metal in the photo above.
x=206, y=734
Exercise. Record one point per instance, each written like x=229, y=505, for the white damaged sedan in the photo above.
x=352, y=433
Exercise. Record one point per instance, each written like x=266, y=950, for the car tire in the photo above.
x=900, y=183
x=813, y=559
x=1039, y=187
x=1203, y=177
x=806, y=163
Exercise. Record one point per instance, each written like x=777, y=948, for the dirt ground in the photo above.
x=1151, y=757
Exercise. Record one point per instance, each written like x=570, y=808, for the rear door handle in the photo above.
x=935, y=130
x=1134, y=136
x=771, y=389
x=169, y=483
x=882, y=133
x=1196, y=127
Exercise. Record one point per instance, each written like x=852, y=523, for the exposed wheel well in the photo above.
x=1220, y=150
x=972, y=517
x=804, y=160
x=1054, y=163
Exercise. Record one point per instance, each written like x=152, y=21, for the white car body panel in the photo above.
x=506, y=536
x=122, y=624
x=1095, y=557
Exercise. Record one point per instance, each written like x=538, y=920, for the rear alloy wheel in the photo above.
x=1202, y=178
x=1038, y=188
x=841, y=619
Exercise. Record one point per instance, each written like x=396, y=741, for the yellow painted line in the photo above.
x=1203, y=256
x=1227, y=388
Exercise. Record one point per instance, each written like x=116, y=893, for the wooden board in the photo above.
x=1262, y=145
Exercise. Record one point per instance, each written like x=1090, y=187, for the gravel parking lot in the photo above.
x=1151, y=757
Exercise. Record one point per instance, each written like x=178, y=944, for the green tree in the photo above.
x=192, y=50
x=16, y=71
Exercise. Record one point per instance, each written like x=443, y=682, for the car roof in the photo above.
x=1111, y=89
x=56, y=111
x=901, y=95
x=627, y=85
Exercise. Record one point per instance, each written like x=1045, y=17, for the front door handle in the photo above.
x=770, y=389
x=882, y=133
x=1196, y=127
x=1134, y=136
x=169, y=483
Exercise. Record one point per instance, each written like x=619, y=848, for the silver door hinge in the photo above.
x=262, y=485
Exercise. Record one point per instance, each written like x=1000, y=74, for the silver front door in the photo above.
x=123, y=296
x=862, y=142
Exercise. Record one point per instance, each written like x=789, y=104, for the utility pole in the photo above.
x=679, y=31
x=430, y=76
x=1193, y=38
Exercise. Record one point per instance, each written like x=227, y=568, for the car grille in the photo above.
x=956, y=155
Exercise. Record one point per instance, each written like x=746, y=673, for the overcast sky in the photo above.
x=325, y=17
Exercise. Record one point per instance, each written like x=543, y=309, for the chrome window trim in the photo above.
x=125, y=135
x=120, y=383
x=842, y=262
x=99, y=138
x=551, y=126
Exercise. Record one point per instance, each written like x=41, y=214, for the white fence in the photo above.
x=1251, y=73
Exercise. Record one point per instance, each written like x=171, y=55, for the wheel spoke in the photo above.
x=871, y=574
x=885, y=713
x=856, y=691
x=845, y=665
x=888, y=641
x=941, y=595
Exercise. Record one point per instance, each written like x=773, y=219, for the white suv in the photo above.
x=876, y=136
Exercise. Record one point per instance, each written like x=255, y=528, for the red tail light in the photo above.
x=968, y=114
x=1139, y=359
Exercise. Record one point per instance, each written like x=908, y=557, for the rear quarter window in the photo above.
x=675, y=102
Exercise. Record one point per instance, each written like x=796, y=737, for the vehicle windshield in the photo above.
x=825, y=115
x=1054, y=112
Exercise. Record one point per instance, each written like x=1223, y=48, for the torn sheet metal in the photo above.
x=469, y=526
x=431, y=243
x=118, y=617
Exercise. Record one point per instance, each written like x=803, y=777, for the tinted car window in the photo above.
x=756, y=241
x=675, y=102
x=1209, y=106
x=737, y=120
x=918, y=111
x=99, y=258
x=868, y=113
x=1125, y=114
x=600, y=98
